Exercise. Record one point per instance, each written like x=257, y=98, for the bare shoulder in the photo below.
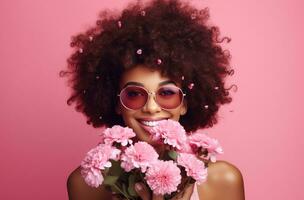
x=225, y=182
x=224, y=172
x=79, y=190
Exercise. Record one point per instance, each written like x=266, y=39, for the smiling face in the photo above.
x=142, y=119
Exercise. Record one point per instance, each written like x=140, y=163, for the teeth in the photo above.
x=149, y=123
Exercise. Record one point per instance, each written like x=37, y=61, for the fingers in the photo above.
x=188, y=191
x=186, y=194
x=157, y=197
x=144, y=193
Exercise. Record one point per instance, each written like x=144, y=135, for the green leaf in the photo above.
x=125, y=191
x=131, y=190
x=110, y=180
x=172, y=155
x=105, y=171
x=116, y=169
x=114, y=189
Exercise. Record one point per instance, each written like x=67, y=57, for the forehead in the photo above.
x=149, y=78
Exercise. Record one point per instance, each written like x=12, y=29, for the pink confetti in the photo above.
x=190, y=86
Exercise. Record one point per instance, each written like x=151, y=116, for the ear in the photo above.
x=184, y=108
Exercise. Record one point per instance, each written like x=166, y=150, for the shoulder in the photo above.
x=224, y=172
x=79, y=190
x=224, y=181
x=74, y=177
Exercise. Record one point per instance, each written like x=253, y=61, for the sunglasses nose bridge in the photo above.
x=151, y=106
x=151, y=94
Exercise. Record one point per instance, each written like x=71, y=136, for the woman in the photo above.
x=151, y=50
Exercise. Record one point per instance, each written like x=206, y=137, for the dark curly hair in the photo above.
x=169, y=31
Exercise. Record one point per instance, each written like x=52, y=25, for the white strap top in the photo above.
x=194, y=195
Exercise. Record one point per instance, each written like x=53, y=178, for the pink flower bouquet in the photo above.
x=118, y=163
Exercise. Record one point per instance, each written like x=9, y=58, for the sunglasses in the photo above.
x=136, y=97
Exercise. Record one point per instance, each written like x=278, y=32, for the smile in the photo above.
x=149, y=123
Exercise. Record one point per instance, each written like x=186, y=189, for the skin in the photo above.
x=151, y=80
x=224, y=181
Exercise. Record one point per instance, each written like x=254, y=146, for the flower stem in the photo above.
x=116, y=187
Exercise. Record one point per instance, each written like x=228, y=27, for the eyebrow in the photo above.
x=140, y=84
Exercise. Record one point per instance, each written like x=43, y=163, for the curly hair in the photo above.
x=175, y=33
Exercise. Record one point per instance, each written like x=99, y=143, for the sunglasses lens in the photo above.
x=169, y=97
x=133, y=97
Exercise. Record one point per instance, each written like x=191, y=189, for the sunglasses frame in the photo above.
x=150, y=93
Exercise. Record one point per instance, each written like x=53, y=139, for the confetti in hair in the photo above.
x=190, y=86
x=119, y=24
x=193, y=16
x=159, y=61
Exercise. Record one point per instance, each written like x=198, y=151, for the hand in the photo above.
x=144, y=193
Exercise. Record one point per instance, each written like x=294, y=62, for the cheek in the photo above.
x=176, y=114
x=127, y=115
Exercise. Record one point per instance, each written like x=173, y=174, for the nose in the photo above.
x=151, y=105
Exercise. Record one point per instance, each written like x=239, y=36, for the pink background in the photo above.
x=42, y=139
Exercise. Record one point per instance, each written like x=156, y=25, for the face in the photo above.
x=142, y=119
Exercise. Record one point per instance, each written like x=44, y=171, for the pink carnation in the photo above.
x=163, y=177
x=186, y=148
x=193, y=166
x=171, y=132
x=118, y=134
x=200, y=139
x=141, y=155
x=95, y=160
x=92, y=177
x=99, y=156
